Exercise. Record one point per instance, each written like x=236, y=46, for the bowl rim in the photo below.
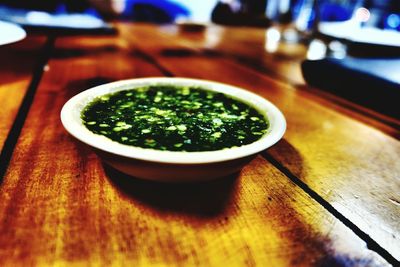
x=70, y=118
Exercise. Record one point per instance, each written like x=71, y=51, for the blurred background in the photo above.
x=383, y=14
x=313, y=41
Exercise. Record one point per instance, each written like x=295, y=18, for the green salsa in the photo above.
x=167, y=117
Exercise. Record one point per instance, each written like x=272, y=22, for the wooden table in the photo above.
x=328, y=194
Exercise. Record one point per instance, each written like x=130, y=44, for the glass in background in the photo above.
x=328, y=12
x=299, y=21
x=293, y=19
x=328, y=26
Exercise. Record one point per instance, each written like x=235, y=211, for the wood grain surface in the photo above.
x=16, y=71
x=61, y=206
x=351, y=165
x=247, y=47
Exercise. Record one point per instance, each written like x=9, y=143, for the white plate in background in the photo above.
x=352, y=32
x=10, y=33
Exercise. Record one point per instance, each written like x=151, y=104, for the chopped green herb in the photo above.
x=181, y=127
x=216, y=135
x=171, y=128
x=174, y=118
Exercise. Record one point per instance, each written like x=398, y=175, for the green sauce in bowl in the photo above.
x=174, y=118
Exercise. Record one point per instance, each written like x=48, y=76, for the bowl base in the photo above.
x=156, y=171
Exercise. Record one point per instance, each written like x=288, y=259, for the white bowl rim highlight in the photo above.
x=72, y=122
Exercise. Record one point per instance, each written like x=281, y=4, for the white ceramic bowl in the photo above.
x=171, y=166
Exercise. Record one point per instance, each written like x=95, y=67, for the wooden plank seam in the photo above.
x=371, y=243
x=154, y=62
x=15, y=131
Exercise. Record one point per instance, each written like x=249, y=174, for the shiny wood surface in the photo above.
x=62, y=206
x=16, y=71
x=352, y=165
x=247, y=47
